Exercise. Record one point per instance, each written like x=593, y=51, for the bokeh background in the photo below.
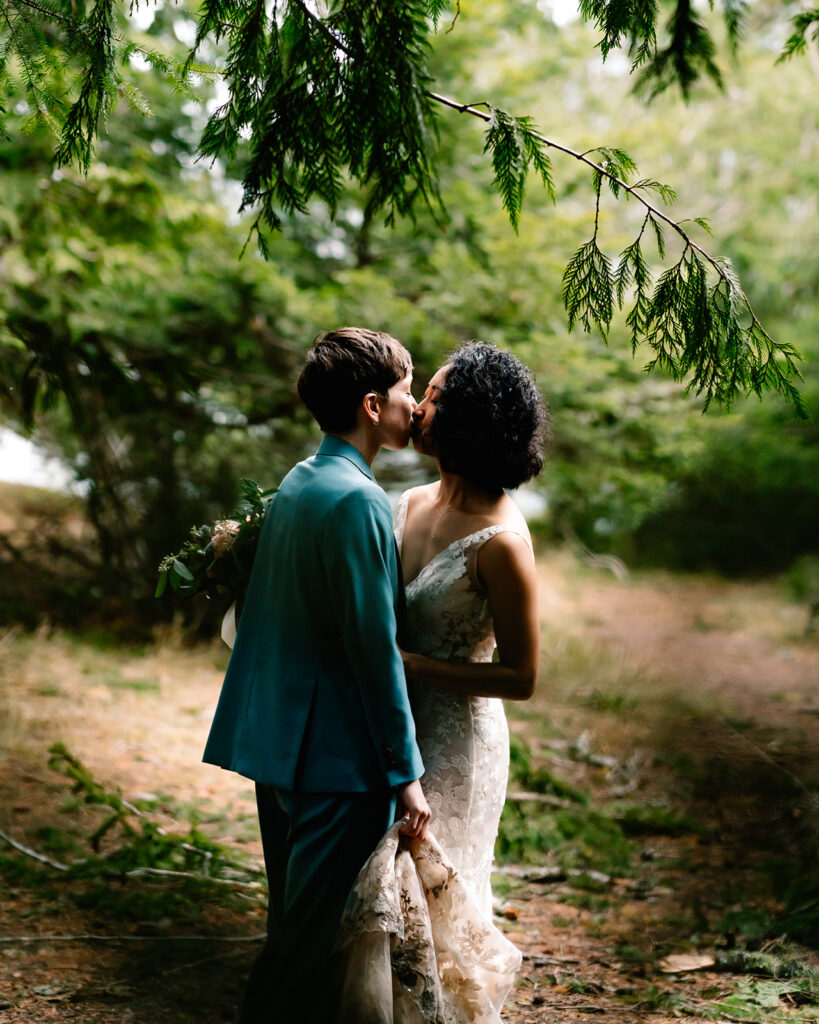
x=664, y=777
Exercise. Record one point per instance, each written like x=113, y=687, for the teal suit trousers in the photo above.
x=314, y=847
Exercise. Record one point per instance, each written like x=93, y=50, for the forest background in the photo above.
x=658, y=850
x=137, y=264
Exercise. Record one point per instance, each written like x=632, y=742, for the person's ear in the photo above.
x=371, y=404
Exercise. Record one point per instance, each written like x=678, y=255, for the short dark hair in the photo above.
x=491, y=422
x=345, y=365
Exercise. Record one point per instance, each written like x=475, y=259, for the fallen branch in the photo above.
x=136, y=872
x=198, y=963
x=579, y=1008
x=41, y=857
x=167, y=873
x=766, y=965
x=551, y=873
x=541, y=798
x=540, y=959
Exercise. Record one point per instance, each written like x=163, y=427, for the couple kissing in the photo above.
x=362, y=697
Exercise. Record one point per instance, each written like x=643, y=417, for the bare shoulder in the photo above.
x=418, y=498
x=512, y=519
x=509, y=550
x=507, y=545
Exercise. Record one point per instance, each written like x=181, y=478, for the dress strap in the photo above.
x=401, y=517
x=476, y=541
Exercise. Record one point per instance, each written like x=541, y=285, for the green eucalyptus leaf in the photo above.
x=182, y=570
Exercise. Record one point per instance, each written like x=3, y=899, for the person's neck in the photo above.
x=363, y=441
x=457, y=493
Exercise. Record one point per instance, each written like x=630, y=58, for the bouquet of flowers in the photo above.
x=217, y=559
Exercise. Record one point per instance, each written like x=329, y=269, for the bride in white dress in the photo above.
x=470, y=588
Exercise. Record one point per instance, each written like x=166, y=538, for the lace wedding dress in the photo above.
x=417, y=931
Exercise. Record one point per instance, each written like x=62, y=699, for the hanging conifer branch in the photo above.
x=704, y=334
x=805, y=25
x=633, y=274
x=101, y=83
x=319, y=96
x=48, y=41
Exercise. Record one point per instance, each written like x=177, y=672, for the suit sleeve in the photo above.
x=363, y=573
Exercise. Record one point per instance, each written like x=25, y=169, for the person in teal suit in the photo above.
x=314, y=704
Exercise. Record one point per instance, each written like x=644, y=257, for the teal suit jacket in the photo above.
x=315, y=698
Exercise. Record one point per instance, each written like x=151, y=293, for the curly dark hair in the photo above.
x=491, y=423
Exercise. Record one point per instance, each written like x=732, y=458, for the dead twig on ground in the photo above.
x=541, y=798
x=41, y=857
x=577, y=1007
x=550, y=873
x=167, y=873
x=541, y=960
x=198, y=963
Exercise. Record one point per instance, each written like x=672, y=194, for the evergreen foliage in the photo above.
x=322, y=96
x=806, y=26
x=697, y=320
x=57, y=47
x=689, y=54
x=159, y=367
x=515, y=146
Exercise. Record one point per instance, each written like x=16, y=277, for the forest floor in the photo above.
x=663, y=803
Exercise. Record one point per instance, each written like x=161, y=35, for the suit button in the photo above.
x=389, y=756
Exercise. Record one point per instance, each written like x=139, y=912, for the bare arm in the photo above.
x=507, y=570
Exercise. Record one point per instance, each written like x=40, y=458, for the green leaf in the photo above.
x=623, y=21
x=182, y=570
x=436, y=9
x=161, y=585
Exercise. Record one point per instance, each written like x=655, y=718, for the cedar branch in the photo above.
x=654, y=211
x=472, y=109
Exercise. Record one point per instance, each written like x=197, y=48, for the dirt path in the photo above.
x=693, y=695
x=721, y=708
